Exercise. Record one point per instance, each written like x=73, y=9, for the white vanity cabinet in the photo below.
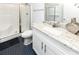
x=45, y=45
x=39, y=44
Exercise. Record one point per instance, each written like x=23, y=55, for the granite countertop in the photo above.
x=59, y=34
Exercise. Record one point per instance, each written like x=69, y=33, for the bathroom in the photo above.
x=25, y=28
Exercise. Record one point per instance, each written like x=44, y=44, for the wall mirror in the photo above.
x=53, y=12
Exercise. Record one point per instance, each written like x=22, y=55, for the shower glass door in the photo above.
x=9, y=19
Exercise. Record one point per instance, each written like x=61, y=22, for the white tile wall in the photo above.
x=37, y=10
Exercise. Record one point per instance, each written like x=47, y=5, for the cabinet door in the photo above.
x=48, y=50
x=37, y=43
x=51, y=49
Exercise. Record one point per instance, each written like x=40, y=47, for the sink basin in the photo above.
x=52, y=23
x=55, y=31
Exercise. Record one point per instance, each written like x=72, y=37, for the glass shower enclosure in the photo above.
x=9, y=20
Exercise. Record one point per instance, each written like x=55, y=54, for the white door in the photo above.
x=25, y=17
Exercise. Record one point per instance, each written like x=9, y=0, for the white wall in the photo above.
x=37, y=10
x=70, y=11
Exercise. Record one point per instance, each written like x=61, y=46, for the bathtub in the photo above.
x=8, y=32
x=9, y=21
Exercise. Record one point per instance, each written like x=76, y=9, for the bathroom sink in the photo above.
x=53, y=23
x=60, y=32
x=55, y=31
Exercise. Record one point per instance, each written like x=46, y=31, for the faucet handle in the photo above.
x=73, y=20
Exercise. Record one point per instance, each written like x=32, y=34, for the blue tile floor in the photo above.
x=16, y=47
x=28, y=50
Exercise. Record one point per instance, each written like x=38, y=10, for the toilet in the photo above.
x=27, y=35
